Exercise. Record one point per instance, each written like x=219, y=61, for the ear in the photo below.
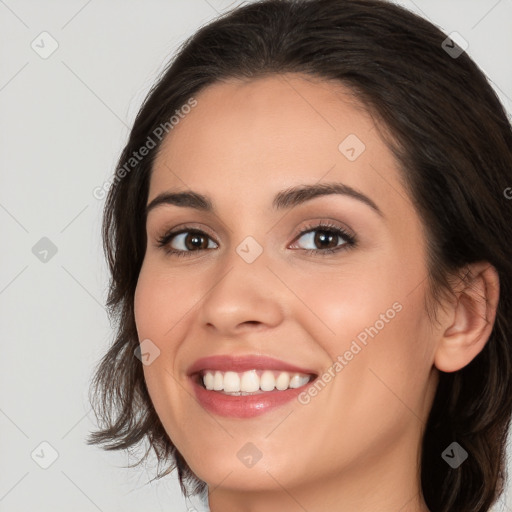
x=470, y=318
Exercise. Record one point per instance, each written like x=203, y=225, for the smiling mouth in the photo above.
x=251, y=382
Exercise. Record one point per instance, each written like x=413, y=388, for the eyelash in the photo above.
x=350, y=240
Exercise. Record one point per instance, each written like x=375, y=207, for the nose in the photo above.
x=243, y=296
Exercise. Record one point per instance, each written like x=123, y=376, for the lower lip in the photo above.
x=246, y=406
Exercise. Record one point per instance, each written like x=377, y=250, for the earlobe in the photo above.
x=471, y=320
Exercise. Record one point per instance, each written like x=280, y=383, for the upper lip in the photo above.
x=240, y=363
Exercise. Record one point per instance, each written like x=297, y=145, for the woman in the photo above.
x=340, y=341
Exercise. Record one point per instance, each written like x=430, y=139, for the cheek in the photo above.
x=375, y=320
x=342, y=305
x=159, y=306
x=160, y=301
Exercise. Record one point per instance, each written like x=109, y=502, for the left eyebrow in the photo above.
x=297, y=195
x=284, y=199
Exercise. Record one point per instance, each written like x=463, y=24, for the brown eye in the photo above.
x=185, y=241
x=326, y=239
x=195, y=240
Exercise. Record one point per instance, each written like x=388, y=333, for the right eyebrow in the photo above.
x=186, y=199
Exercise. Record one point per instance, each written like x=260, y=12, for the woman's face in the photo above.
x=250, y=284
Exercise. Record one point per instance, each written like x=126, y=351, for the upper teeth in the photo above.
x=253, y=380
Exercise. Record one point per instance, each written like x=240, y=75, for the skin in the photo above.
x=355, y=445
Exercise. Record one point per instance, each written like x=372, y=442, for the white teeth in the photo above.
x=267, y=381
x=296, y=381
x=231, y=382
x=249, y=381
x=218, y=382
x=253, y=381
x=208, y=380
x=282, y=381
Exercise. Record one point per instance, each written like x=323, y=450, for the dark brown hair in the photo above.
x=452, y=141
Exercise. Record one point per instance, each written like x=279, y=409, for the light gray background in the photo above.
x=63, y=122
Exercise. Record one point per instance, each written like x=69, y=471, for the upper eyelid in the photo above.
x=186, y=229
x=310, y=227
x=313, y=225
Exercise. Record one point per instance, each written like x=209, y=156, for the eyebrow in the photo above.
x=284, y=199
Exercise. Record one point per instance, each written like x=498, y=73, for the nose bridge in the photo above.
x=240, y=293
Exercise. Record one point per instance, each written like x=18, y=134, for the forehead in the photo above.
x=254, y=137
